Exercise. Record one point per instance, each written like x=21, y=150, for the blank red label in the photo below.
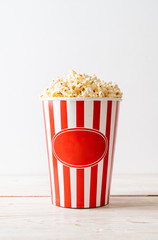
x=79, y=147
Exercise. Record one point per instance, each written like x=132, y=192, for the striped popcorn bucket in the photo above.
x=80, y=139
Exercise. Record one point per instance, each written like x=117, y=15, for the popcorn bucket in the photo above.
x=80, y=139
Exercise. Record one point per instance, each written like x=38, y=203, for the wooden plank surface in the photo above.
x=26, y=211
x=35, y=218
x=39, y=185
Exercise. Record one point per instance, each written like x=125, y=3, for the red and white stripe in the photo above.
x=90, y=186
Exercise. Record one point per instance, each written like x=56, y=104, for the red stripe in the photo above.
x=66, y=170
x=80, y=172
x=63, y=111
x=55, y=167
x=93, y=186
x=105, y=163
x=94, y=170
x=113, y=148
x=80, y=188
x=79, y=113
x=45, y=127
x=96, y=115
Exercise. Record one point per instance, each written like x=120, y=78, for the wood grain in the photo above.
x=35, y=218
x=26, y=211
x=39, y=185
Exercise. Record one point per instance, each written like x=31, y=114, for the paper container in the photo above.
x=80, y=139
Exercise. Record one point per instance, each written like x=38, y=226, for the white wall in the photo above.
x=116, y=40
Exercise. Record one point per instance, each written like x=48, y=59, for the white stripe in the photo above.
x=102, y=129
x=88, y=123
x=99, y=181
x=57, y=123
x=73, y=187
x=71, y=118
x=57, y=116
x=113, y=113
x=88, y=114
x=61, y=183
x=103, y=113
x=71, y=114
x=46, y=110
x=87, y=177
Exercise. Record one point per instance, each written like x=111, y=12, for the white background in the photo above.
x=116, y=40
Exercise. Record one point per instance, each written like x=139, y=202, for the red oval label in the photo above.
x=79, y=147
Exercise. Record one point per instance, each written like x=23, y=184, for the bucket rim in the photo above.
x=80, y=99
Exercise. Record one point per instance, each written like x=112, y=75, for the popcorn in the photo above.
x=81, y=85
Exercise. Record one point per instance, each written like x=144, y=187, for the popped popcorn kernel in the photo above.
x=81, y=85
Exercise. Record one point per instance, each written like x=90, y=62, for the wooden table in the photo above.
x=26, y=211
